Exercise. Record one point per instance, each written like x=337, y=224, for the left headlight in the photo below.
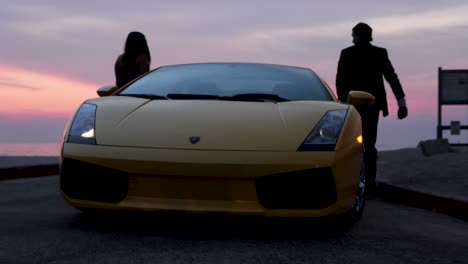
x=82, y=129
x=326, y=133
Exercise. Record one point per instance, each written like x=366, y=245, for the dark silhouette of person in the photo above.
x=363, y=67
x=135, y=60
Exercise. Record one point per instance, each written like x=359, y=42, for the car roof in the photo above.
x=240, y=63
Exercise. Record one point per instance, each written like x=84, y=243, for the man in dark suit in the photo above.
x=362, y=67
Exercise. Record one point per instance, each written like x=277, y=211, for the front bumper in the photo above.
x=306, y=184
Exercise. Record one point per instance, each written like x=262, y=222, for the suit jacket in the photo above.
x=362, y=68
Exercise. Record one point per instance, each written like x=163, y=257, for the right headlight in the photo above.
x=326, y=133
x=82, y=129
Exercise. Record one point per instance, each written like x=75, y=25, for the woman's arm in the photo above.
x=143, y=64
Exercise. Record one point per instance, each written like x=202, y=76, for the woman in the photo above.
x=134, y=61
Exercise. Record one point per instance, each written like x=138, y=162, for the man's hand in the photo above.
x=402, y=109
x=402, y=112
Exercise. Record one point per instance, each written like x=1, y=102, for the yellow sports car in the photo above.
x=237, y=138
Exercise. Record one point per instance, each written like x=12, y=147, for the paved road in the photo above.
x=38, y=227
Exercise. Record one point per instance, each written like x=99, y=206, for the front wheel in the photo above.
x=355, y=213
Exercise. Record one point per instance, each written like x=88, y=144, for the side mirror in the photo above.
x=107, y=90
x=360, y=98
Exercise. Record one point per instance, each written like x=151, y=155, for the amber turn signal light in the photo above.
x=359, y=139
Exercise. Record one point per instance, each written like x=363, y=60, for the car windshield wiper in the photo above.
x=257, y=97
x=253, y=97
x=194, y=96
x=146, y=96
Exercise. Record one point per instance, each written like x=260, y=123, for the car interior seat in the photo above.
x=289, y=91
x=208, y=88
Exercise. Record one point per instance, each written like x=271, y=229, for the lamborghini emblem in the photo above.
x=194, y=140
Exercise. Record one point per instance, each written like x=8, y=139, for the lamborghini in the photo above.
x=235, y=138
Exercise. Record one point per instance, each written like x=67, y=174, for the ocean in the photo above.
x=30, y=149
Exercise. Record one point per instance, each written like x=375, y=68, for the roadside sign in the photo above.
x=452, y=90
x=453, y=87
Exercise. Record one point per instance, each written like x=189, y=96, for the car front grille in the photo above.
x=305, y=189
x=86, y=181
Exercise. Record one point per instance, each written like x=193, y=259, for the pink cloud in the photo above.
x=30, y=93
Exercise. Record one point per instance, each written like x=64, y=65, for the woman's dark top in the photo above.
x=126, y=72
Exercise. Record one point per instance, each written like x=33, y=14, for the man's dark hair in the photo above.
x=364, y=32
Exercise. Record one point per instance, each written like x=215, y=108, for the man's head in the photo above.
x=362, y=33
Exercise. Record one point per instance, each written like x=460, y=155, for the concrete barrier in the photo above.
x=434, y=146
x=396, y=194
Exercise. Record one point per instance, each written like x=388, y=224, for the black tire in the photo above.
x=355, y=213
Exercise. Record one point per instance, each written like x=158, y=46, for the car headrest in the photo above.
x=288, y=90
x=201, y=88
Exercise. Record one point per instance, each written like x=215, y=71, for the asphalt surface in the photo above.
x=37, y=226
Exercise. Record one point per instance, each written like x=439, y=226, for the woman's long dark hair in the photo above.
x=135, y=45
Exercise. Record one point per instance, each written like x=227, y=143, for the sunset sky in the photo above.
x=55, y=54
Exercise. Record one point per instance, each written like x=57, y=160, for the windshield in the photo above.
x=231, y=79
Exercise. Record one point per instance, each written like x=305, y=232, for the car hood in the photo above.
x=213, y=124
